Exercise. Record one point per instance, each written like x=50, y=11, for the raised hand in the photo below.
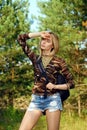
x=45, y=35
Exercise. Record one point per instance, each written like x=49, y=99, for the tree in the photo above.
x=65, y=18
x=13, y=21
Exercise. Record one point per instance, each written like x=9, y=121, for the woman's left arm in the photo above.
x=58, y=86
x=67, y=74
x=69, y=78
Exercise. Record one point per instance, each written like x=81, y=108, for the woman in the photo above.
x=52, y=104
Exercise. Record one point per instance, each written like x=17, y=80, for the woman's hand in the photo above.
x=50, y=86
x=35, y=86
x=45, y=34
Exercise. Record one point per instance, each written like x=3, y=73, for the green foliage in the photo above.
x=15, y=73
x=13, y=21
x=11, y=119
x=65, y=19
x=59, y=17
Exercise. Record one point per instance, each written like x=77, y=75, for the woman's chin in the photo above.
x=43, y=48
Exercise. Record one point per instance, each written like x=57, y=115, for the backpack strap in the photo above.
x=43, y=73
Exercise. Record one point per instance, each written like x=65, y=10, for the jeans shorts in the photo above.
x=51, y=103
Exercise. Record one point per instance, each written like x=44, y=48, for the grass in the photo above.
x=73, y=122
x=67, y=123
x=10, y=120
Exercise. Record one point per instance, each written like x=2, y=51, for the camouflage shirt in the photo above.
x=55, y=65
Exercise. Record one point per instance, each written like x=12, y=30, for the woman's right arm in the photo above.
x=35, y=34
x=42, y=34
x=24, y=37
x=22, y=41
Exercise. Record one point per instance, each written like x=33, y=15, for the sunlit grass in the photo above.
x=67, y=123
x=73, y=122
x=11, y=119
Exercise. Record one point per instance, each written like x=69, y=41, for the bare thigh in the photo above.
x=30, y=119
x=53, y=119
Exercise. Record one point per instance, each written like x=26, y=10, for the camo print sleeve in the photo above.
x=65, y=71
x=22, y=41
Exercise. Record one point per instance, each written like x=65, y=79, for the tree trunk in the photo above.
x=79, y=106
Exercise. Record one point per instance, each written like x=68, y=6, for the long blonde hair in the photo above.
x=55, y=41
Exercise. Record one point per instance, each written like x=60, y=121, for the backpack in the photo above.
x=64, y=94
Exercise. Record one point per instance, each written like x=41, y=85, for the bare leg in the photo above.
x=30, y=119
x=53, y=119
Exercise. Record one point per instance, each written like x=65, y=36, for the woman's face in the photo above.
x=46, y=44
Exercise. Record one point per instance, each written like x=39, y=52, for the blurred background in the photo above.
x=68, y=19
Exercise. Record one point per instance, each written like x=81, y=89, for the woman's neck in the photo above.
x=46, y=53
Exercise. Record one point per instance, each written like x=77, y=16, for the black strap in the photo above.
x=60, y=80
x=43, y=73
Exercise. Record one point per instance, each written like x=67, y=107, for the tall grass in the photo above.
x=73, y=122
x=67, y=123
x=10, y=119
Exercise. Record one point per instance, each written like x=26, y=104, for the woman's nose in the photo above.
x=43, y=42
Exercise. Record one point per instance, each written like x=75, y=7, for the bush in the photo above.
x=10, y=118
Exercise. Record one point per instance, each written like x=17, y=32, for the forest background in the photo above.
x=66, y=18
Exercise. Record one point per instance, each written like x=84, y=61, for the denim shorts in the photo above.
x=51, y=103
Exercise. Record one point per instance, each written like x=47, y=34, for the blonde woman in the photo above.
x=52, y=104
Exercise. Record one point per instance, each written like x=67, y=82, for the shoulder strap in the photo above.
x=42, y=69
x=43, y=73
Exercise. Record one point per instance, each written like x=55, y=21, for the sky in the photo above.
x=33, y=10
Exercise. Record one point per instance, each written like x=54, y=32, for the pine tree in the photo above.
x=65, y=19
x=13, y=70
